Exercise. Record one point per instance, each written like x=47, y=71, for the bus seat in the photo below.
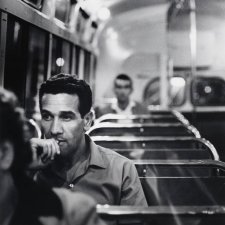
x=161, y=215
x=116, y=118
x=153, y=143
x=114, y=129
x=184, y=190
x=179, y=168
x=165, y=154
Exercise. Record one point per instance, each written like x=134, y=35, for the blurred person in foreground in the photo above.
x=22, y=201
x=124, y=105
x=72, y=160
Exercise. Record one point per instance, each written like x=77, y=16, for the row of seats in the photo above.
x=159, y=147
x=178, y=169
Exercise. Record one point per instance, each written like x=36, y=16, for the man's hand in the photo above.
x=43, y=150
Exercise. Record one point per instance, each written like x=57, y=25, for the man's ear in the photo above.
x=88, y=120
x=6, y=155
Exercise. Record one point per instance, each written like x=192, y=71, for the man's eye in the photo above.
x=66, y=118
x=46, y=117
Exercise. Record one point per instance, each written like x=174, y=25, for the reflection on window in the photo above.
x=177, y=91
x=208, y=91
x=36, y=69
x=61, y=56
x=152, y=92
x=26, y=62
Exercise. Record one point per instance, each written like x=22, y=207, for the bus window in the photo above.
x=36, y=68
x=151, y=94
x=62, y=8
x=26, y=64
x=16, y=57
x=81, y=64
x=61, y=56
x=77, y=54
x=67, y=56
x=87, y=66
x=177, y=91
x=208, y=91
x=35, y=3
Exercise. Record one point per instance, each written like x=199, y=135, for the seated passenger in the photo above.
x=22, y=201
x=123, y=87
x=72, y=159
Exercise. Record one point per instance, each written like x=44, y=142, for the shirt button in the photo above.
x=71, y=185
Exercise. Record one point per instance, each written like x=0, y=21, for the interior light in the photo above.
x=177, y=81
x=60, y=62
x=103, y=13
x=208, y=89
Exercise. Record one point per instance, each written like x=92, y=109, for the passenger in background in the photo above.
x=123, y=87
x=72, y=159
x=22, y=201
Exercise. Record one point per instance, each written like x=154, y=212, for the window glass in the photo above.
x=77, y=54
x=177, y=91
x=67, y=56
x=16, y=57
x=61, y=56
x=35, y=3
x=208, y=91
x=36, y=69
x=26, y=62
x=151, y=94
x=62, y=8
x=92, y=73
x=87, y=66
x=81, y=22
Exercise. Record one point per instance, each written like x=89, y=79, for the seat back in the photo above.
x=116, y=118
x=184, y=190
x=114, y=129
x=165, y=154
x=161, y=215
x=179, y=168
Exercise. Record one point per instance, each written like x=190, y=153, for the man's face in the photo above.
x=62, y=121
x=122, y=89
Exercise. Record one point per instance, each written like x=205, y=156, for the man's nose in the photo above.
x=56, y=127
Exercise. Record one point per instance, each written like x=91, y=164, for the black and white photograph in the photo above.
x=112, y=112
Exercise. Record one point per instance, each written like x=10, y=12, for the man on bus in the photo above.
x=123, y=87
x=22, y=201
x=72, y=159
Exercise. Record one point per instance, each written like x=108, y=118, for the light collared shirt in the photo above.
x=127, y=111
x=106, y=176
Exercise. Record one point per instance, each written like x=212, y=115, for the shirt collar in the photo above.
x=116, y=107
x=96, y=157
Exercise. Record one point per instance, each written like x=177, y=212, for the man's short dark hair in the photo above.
x=124, y=76
x=12, y=129
x=68, y=84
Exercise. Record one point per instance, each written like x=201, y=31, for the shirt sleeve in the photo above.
x=132, y=192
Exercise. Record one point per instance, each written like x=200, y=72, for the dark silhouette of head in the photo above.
x=12, y=131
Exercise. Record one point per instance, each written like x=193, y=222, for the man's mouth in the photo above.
x=60, y=142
